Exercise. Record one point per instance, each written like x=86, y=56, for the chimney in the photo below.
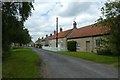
x=46, y=35
x=60, y=29
x=54, y=32
x=51, y=34
x=74, y=24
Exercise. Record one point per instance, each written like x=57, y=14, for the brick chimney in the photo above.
x=54, y=32
x=46, y=35
x=74, y=24
x=51, y=34
x=60, y=29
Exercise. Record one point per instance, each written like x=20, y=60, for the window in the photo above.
x=78, y=45
x=98, y=41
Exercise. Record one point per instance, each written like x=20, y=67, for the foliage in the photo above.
x=39, y=46
x=22, y=37
x=14, y=15
x=104, y=52
x=71, y=45
x=23, y=63
x=46, y=45
x=111, y=18
x=104, y=48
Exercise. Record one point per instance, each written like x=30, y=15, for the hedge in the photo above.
x=71, y=45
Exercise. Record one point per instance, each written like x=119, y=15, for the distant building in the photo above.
x=30, y=44
x=46, y=41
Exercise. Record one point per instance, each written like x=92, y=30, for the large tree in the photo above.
x=14, y=15
x=111, y=18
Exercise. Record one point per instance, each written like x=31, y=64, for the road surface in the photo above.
x=61, y=66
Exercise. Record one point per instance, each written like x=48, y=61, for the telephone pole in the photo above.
x=56, y=31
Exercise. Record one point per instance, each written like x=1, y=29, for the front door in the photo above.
x=88, y=46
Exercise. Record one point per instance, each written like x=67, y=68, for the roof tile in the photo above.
x=91, y=30
x=61, y=34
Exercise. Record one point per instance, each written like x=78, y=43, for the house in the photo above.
x=30, y=44
x=62, y=38
x=88, y=38
x=37, y=42
x=40, y=41
x=45, y=42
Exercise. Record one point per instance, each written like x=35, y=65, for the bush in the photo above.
x=39, y=45
x=71, y=45
x=46, y=45
x=104, y=52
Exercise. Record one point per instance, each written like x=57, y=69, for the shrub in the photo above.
x=39, y=45
x=104, y=51
x=46, y=45
x=105, y=48
x=71, y=45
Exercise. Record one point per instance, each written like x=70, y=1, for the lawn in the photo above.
x=23, y=63
x=112, y=60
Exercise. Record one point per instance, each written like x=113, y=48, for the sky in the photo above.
x=42, y=22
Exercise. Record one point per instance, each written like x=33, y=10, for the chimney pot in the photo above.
x=54, y=32
x=74, y=24
x=60, y=29
x=51, y=34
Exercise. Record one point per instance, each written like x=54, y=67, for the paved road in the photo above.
x=61, y=66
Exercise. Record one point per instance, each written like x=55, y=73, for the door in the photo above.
x=88, y=46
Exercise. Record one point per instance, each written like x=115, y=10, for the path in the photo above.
x=61, y=66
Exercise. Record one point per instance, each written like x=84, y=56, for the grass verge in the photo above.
x=112, y=60
x=23, y=63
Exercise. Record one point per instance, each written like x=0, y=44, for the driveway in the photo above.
x=61, y=66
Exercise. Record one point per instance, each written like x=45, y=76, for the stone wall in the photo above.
x=62, y=43
x=84, y=43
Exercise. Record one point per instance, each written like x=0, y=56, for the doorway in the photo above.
x=88, y=46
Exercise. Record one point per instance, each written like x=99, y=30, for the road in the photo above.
x=61, y=66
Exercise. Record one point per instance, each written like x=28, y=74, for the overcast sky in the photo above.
x=43, y=18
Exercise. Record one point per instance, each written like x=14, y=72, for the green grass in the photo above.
x=23, y=63
x=112, y=60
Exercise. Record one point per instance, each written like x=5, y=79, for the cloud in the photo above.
x=76, y=8
x=43, y=18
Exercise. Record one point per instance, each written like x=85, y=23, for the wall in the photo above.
x=83, y=46
x=62, y=43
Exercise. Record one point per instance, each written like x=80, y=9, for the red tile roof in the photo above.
x=39, y=40
x=91, y=30
x=61, y=34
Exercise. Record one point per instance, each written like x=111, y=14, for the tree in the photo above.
x=22, y=37
x=14, y=15
x=111, y=18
